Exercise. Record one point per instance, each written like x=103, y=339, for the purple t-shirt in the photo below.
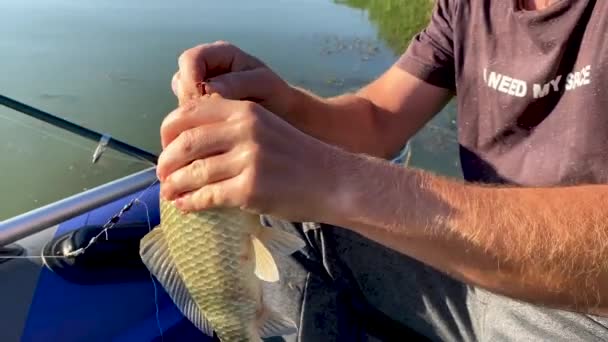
x=531, y=86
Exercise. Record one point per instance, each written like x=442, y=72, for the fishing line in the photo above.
x=111, y=222
x=34, y=257
x=109, y=225
x=160, y=328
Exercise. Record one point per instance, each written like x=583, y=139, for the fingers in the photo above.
x=205, y=110
x=203, y=61
x=195, y=143
x=192, y=71
x=183, y=97
x=175, y=86
x=215, y=195
x=202, y=172
x=258, y=83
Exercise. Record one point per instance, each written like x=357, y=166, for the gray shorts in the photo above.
x=344, y=287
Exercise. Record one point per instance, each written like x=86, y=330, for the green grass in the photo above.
x=397, y=20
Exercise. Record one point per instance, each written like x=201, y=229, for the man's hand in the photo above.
x=226, y=153
x=376, y=120
x=224, y=69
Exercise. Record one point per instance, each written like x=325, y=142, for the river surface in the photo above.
x=107, y=65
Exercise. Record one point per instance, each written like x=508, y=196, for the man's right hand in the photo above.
x=225, y=69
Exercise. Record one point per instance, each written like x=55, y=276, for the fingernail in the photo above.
x=163, y=193
x=181, y=198
x=216, y=87
x=179, y=203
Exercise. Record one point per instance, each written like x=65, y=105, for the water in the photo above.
x=107, y=65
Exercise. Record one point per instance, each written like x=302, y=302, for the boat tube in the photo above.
x=104, y=294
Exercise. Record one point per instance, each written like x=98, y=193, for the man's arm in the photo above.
x=377, y=120
x=547, y=246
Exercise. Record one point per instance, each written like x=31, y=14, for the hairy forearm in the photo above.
x=548, y=246
x=349, y=121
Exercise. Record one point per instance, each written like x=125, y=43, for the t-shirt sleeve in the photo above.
x=430, y=55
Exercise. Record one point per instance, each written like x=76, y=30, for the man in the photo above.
x=517, y=252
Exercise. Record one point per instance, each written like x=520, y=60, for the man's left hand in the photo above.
x=225, y=153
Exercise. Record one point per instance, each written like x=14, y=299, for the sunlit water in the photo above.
x=107, y=65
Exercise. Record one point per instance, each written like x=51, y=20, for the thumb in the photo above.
x=181, y=92
x=259, y=83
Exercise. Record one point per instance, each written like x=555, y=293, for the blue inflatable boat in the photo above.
x=65, y=302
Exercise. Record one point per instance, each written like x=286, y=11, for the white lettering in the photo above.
x=555, y=83
x=514, y=86
x=522, y=89
x=494, y=79
x=578, y=78
x=541, y=91
x=538, y=91
x=519, y=88
x=570, y=82
x=586, y=75
x=504, y=84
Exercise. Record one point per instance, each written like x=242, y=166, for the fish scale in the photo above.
x=212, y=263
x=205, y=268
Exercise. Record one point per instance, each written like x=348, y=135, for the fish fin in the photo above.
x=278, y=241
x=275, y=324
x=155, y=254
x=265, y=267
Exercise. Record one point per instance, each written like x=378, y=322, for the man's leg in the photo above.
x=406, y=290
x=405, y=293
x=305, y=295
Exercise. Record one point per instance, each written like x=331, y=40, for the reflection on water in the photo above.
x=107, y=65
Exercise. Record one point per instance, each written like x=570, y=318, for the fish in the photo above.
x=212, y=264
